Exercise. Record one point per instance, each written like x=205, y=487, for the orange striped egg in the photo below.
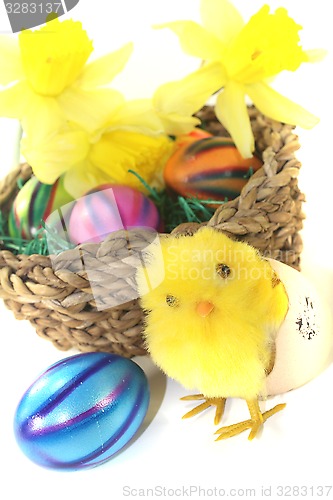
x=209, y=169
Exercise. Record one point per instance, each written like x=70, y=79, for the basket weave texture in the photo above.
x=55, y=294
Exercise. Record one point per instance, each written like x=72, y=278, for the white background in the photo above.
x=294, y=448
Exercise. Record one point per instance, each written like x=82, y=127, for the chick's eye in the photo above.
x=172, y=301
x=223, y=270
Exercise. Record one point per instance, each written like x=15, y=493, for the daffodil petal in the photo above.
x=103, y=70
x=196, y=40
x=231, y=110
x=139, y=115
x=13, y=100
x=316, y=55
x=42, y=118
x=82, y=177
x=11, y=68
x=39, y=115
x=56, y=154
x=278, y=107
x=90, y=108
x=174, y=124
x=221, y=18
x=186, y=96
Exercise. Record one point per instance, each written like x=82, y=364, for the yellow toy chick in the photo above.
x=213, y=308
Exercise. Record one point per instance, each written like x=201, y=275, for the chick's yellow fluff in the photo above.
x=225, y=353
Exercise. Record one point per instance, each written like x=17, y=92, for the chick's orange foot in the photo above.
x=254, y=423
x=218, y=402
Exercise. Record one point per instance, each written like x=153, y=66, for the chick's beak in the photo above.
x=204, y=308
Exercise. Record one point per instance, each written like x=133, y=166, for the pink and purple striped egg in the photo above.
x=109, y=208
x=81, y=411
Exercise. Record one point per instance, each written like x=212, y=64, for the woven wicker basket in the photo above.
x=55, y=294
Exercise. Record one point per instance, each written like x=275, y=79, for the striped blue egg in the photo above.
x=81, y=411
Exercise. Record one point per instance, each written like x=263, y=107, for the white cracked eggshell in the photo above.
x=305, y=339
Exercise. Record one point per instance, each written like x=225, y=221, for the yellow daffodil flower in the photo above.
x=248, y=56
x=134, y=137
x=173, y=104
x=48, y=66
x=104, y=156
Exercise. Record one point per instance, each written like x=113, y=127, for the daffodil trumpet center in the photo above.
x=119, y=151
x=267, y=45
x=54, y=56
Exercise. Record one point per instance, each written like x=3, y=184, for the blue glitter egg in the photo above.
x=81, y=411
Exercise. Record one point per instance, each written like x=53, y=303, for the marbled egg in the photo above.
x=34, y=203
x=109, y=208
x=209, y=168
x=304, y=341
x=81, y=411
x=195, y=135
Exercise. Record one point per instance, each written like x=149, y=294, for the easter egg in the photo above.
x=209, y=169
x=81, y=411
x=108, y=208
x=33, y=203
x=195, y=135
x=304, y=341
